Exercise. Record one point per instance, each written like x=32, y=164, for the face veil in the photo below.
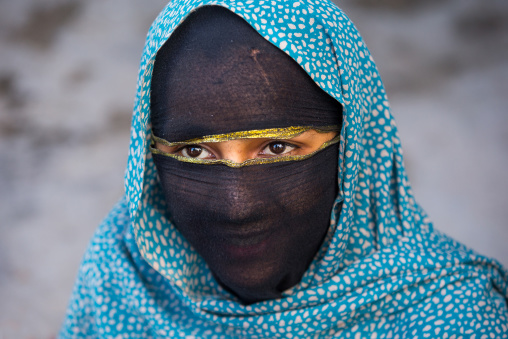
x=258, y=227
x=381, y=269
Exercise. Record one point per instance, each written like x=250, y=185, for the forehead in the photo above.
x=216, y=75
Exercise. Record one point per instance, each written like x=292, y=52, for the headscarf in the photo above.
x=382, y=271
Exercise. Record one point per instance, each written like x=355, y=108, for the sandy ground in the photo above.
x=67, y=82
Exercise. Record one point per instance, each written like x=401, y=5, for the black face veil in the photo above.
x=258, y=227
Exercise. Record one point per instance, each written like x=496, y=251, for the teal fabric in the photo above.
x=383, y=271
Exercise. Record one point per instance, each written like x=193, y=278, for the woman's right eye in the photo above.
x=195, y=151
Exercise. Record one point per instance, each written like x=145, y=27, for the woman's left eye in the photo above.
x=277, y=148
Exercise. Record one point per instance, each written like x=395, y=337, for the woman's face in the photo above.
x=258, y=227
x=241, y=150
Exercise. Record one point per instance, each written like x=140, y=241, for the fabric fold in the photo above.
x=383, y=270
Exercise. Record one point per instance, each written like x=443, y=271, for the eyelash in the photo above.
x=285, y=143
x=186, y=147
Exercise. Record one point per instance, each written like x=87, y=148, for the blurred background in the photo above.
x=68, y=71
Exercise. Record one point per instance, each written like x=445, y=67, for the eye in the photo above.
x=195, y=151
x=277, y=148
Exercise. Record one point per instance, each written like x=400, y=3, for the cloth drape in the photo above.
x=382, y=271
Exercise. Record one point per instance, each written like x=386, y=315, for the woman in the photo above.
x=266, y=195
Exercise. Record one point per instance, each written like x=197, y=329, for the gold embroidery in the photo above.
x=272, y=133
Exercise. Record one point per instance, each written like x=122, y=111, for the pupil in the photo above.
x=277, y=147
x=194, y=151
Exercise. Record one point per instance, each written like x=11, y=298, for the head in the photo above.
x=257, y=226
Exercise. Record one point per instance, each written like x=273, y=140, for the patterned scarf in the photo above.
x=382, y=271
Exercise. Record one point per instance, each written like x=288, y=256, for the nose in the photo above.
x=239, y=203
x=238, y=150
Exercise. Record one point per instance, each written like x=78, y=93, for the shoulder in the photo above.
x=106, y=279
x=461, y=291
x=107, y=245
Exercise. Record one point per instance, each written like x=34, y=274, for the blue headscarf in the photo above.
x=382, y=271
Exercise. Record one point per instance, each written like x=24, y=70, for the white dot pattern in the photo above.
x=382, y=272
